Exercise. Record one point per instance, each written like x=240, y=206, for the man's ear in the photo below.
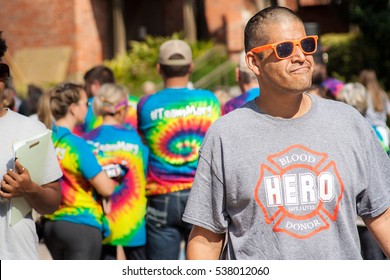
x=191, y=68
x=158, y=68
x=253, y=63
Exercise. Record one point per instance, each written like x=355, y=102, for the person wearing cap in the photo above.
x=284, y=176
x=19, y=240
x=173, y=123
x=248, y=84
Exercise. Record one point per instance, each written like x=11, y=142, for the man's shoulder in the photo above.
x=335, y=106
x=172, y=95
x=24, y=121
x=186, y=90
x=340, y=114
x=200, y=90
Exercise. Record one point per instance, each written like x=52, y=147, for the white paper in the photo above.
x=31, y=154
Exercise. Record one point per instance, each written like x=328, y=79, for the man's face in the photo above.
x=291, y=75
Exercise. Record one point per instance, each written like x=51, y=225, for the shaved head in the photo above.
x=256, y=33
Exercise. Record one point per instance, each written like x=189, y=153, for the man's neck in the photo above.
x=287, y=107
x=176, y=82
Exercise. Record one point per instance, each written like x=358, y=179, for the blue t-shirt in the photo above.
x=80, y=201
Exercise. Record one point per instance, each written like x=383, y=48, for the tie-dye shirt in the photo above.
x=173, y=123
x=79, y=202
x=122, y=146
x=92, y=121
x=240, y=100
x=383, y=134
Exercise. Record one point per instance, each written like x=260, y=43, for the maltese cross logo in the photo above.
x=299, y=191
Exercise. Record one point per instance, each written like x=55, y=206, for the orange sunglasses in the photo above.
x=285, y=49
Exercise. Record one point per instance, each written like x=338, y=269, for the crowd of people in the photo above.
x=290, y=169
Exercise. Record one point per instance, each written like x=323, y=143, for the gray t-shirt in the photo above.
x=290, y=188
x=20, y=241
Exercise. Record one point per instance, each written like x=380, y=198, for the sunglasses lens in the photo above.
x=284, y=49
x=309, y=45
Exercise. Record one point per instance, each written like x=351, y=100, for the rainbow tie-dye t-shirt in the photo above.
x=117, y=146
x=383, y=134
x=240, y=100
x=92, y=121
x=80, y=201
x=173, y=123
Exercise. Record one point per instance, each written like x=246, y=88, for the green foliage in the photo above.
x=343, y=63
x=139, y=63
x=373, y=20
x=216, y=67
x=368, y=47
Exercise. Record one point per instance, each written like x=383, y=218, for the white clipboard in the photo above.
x=32, y=154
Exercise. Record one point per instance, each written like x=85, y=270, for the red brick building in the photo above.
x=78, y=34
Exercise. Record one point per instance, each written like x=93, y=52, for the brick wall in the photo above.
x=226, y=21
x=173, y=16
x=42, y=23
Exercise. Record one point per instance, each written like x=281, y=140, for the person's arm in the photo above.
x=103, y=184
x=44, y=199
x=204, y=244
x=47, y=199
x=380, y=229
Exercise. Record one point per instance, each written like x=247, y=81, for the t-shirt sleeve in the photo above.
x=206, y=203
x=88, y=163
x=375, y=199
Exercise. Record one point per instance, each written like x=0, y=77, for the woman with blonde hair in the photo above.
x=378, y=102
x=378, y=109
x=122, y=154
x=354, y=94
x=76, y=229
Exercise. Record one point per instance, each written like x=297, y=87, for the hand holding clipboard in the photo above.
x=31, y=154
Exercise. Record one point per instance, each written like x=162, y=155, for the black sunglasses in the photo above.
x=4, y=72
